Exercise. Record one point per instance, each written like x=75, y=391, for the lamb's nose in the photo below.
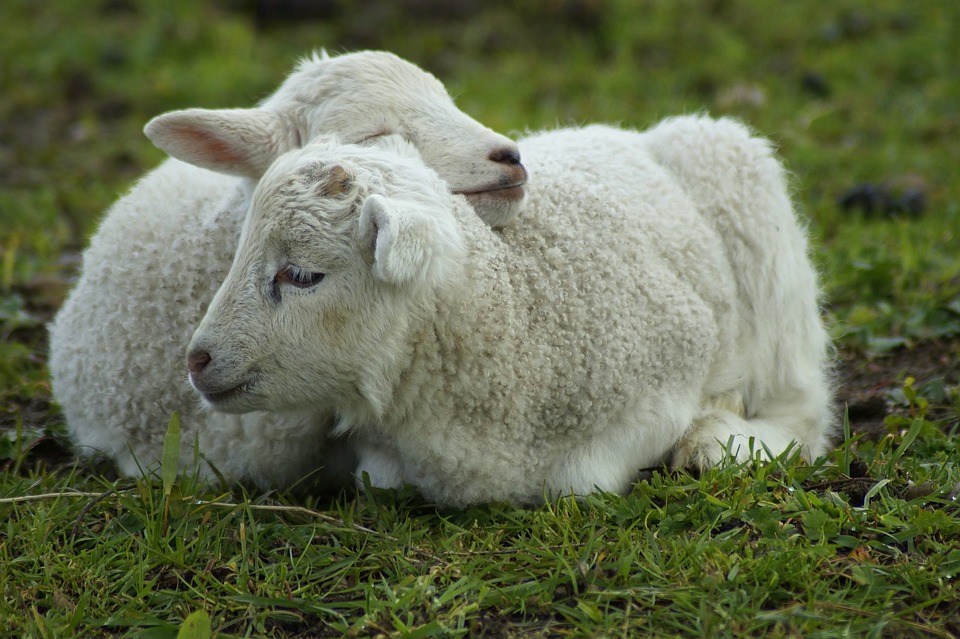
x=197, y=361
x=505, y=155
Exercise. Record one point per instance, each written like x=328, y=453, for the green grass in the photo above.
x=862, y=544
x=780, y=549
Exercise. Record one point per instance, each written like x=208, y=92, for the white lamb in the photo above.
x=653, y=298
x=359, y=96
x=117, y=345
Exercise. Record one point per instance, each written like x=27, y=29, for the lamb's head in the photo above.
x=359, y=97
x=339, y=258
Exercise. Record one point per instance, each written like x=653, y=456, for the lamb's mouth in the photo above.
x=512, y=190
x=220, y=399
x=508, y=193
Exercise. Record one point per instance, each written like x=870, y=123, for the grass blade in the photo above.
x=170, y=463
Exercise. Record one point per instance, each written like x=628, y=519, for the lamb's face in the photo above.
x=336, y=259
x=363, y=95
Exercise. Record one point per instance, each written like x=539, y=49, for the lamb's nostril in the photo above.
x=505, y=155
x=197, y=361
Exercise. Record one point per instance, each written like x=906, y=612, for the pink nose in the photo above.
x=197, y=361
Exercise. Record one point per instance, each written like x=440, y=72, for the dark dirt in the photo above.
x=866, y=383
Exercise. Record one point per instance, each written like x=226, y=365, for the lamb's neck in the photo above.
x=473, y=322
x=482, y=303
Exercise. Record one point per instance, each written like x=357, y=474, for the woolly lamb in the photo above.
x=654, y=297
x=116, y=346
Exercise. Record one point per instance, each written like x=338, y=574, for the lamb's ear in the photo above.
x=409, y=246
x=236, y=141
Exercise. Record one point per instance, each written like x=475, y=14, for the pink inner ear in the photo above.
x=210, y=147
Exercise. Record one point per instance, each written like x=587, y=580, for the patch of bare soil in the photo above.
x=866, y=383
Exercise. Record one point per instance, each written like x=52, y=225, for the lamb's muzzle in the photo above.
x=506, y=155
x=509, y=187
x=209, y=382
x=196, y=362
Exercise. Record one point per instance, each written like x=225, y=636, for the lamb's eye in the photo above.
x=296, y=276
x=384, y=131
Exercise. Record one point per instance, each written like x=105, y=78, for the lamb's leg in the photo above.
x=382, y=465
x=722, y=429
x=272, y=450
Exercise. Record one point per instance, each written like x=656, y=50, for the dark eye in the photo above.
x=296, y=276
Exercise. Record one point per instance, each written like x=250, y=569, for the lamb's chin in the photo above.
x=496, y=209
x=236, y=400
